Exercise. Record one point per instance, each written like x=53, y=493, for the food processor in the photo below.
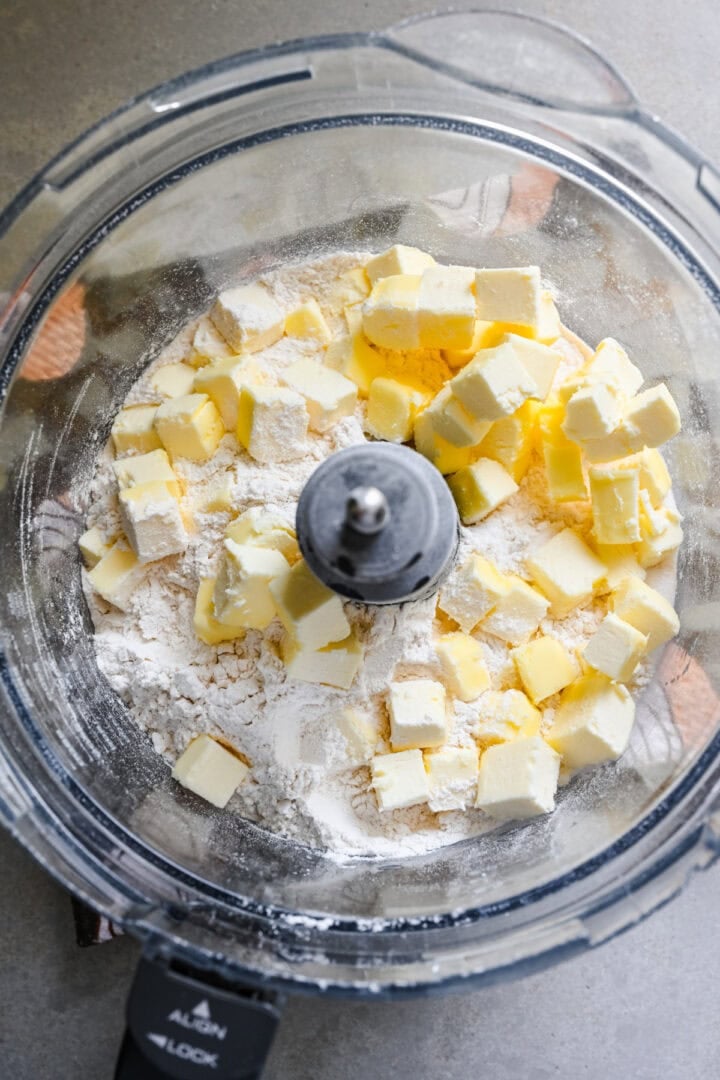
x=484, y=138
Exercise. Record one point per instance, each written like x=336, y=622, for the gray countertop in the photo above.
x=643, y=1006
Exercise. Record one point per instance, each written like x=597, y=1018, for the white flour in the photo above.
x=176, y=687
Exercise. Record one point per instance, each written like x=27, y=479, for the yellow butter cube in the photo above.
x=417, y=714
x=189, y=427
x=116, y=576
x=549, y=327
x=207, y=344
x=503, y=715
x=463, y=665
x=612, y=365
x=206, y=626
x=592, y=412
x=152, y=520
x=654, y=475
x=399, y=780
x=563, y=458
x=353, y=319
x=243, y=594
x=452, y=421
x=446, y=307
x=539, y=361
x=399, y=259
x=518, y=612
x=666, y=537
x=264, y=529
x=545, y=667
x=509, y=295
x=248, y=317
x=443, y=455
x=567, y=571
x=511, y=440
x=335, y=664
x=485, y=336
x=620, y=561
x=272, y=423
x=223, y=380
x=452, y=775
x=652, y=417
x=134, y=429
x=618, y=444
x=93, y=547
x=210, y=770
x=593, y=722
x=615, y=503
x=328, y=395
x=494, y=384
x=645, y=609
x=310, y=612
x=308, y=321
x=480, y=488
x=471, y=591
x=615, y=649
x=173, y=380
x=391, y=410
x=390, y=313
x=146, y=468
x=360, y=731
x=518, y=779
x=354, y=357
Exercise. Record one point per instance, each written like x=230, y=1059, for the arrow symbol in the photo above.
x=203, y=1010
x=159, y=1040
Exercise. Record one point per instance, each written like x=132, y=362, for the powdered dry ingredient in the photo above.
x=176, y=687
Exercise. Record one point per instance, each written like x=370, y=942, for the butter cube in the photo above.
x=264, y=529
x=480, y=488
x=545, y=667
x=272, y=423
x=328, y=395
x=207, y=344
x=615, y=649
x=399, y=780
x=593, y=722
x=172, y=380
x=350, y=289
x=494, y=384
x=540, y=362
x=485, y=336
x=446, y=307
x=518, y=779
x=223, y=380
x=210, y=770
x=452, y=421
x=145, y=469
x=243, y=588
x=248, y=318
x=615, y=503
x=452, y=775
x=355, y=358
x=189, y=427
x=335, y=664
x=509, y=295
x=549, y=327
x=463, y=665
x=134, y=429
x=417, y=714
x=390, y=313
x=152, y=520
x=93, y=547
x=511, y=440
x=308, y=321
x=310, y=612
x=620, y=562
x=471, y=591
x=361, y=735
x=391, y=410
x=399, y=259
x=567, y=571
x=647, y=610
x=353, y=318
x=219, y=499
x=563, y=458
x=618, y=444
x=667, y=536
x=592, y=412
x=206, y=626
x=652, y=417
x=503, y=715
x=443, y=455
x=612, y=365
x=654, y=475
x=116, y=575
x=518, y=612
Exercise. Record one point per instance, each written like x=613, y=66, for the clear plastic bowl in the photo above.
x=484, y=138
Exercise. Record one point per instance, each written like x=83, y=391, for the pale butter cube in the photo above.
x=443, y=455
x=452, y=421
x=592, y=412
x=503, y=715
x=494, y=384
x=308, y=321
x=189, y=427
x=152, y=520
x=653, y=549
x=391, y=410
x=335, y=664
x=612, y=365
x=399, y=259
x=446, y=307
x=652, y=417
x=509, y=295
x=243, y=588
x=350, y=289
x=563, y=458
x=471, y=591
x=618, y=444
x=545, y=667
x=117, y=574
x=353, y=319
x=145, y=469
x=417, y=711
x=206, y=626
x=539, y=361
x=654, y=475
x=210, y=770
x=354, y=357
x=272, y=423
x=593, y=722
x=390, y=313
x=93, y=547
x=620, y=562
x=647, y=610
x=463, y=665
x=173, y=380
x=248, y=317
x=615, y=649
x=480, y=488
x=264, y=529
x=328, y=395
x=615, y=497
x=452, y=775
x=310, y=612
x=567, y=571
x=518, y=612
x=549, y=327
x=511, y=440
x=399, y=780
x=518, y=779
x=360, y=732
x=134, y=429
x=223, y=380
x=207, y=344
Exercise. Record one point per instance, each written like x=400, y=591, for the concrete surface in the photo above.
x=643, y=1007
